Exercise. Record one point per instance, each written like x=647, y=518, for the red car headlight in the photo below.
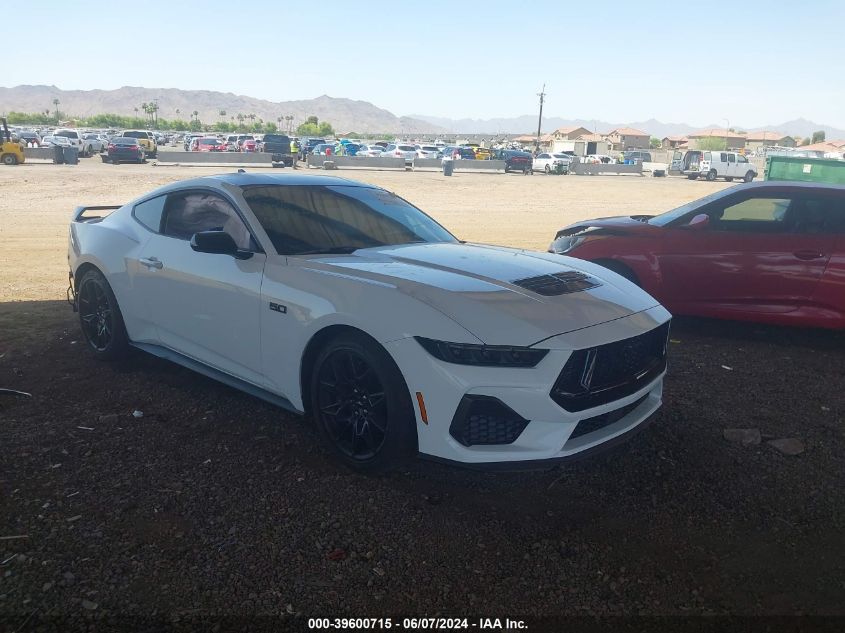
x=567, y=243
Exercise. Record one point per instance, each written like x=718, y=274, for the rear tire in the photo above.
x=361, y=404
x=749, y=176
x=10, y=159
x=100, y=317
x=711, y=175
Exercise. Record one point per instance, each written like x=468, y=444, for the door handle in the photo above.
x=151, y=262
x=808, y=255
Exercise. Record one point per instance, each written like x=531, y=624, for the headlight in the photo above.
x=566, y=243
x=482, y=355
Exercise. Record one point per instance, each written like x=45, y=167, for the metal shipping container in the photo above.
x=826, y=170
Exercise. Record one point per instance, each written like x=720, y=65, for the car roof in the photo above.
x=247, y=179
x=789, y=184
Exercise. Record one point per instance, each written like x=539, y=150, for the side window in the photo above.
x=754, y=215
x=723, y=157
x=706, y=156
x=741, y=159
x=149, y=213
x=731, y=158
x=817, y=215
x=195, y=211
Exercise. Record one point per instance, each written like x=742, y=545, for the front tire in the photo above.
x=10, y=159
x=361, y=404
x=548, y=170
x=100, y=317
x=711, y=175
x=749, y=176
x=620, y=269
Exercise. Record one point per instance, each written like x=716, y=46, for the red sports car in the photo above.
x=772, y=252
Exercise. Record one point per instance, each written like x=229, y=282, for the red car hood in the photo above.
x=622, y=222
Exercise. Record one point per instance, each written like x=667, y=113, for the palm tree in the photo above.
x=196, y=114
x=222, y=114
x=56, y=103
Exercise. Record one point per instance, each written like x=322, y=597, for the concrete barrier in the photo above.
x=590, y=169
x=215, y=158
x=428, y=163
x=360, y=162
x=38, y=153
x=480, y=165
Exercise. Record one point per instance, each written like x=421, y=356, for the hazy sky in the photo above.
x=753, y=62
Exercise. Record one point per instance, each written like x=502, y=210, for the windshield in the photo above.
x=665, y=218
x=407, y=148
x=135, y=135
x=301, y=219
x=210, y=141
x=67, y=134
x=124, y=141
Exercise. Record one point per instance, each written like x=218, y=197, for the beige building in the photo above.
x=735, y=140
x=569, y=133
x=757, y=140
x=674, y=142
x=625, y=138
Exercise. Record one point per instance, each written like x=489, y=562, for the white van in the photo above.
x=715, y=164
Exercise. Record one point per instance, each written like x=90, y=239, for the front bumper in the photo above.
x=549, y=434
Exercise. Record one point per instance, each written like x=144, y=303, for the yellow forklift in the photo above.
x=11, y=152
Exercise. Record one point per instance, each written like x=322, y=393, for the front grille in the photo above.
x=598, y=375
x=485, y=420
x=558, y=283
x=597, y=422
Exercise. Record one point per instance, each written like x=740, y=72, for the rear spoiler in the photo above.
x=79, y=213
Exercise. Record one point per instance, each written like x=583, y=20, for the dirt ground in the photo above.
x=216, y=503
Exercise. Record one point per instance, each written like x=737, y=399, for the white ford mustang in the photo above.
x=343, y=301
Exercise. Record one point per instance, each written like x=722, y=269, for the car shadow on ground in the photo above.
x=677, y=520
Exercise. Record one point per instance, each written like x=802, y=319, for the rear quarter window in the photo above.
x=149, y=213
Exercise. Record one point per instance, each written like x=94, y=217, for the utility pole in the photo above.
x=542, y=95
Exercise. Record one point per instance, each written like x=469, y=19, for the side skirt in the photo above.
x=216, y=374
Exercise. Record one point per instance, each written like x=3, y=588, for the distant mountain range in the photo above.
x=345, y=115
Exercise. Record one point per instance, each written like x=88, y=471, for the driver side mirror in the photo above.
x=700, y=221
x=217, y=243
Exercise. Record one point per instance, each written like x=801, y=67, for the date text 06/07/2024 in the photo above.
x=415, y=624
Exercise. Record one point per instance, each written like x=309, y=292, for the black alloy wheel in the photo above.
x=361, y=404
x=100, y=317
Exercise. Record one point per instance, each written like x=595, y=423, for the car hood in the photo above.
x=613, y=222
x=483, y=289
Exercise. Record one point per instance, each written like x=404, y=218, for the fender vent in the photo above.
x=558, y=283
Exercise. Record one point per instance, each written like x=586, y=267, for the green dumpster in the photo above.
x=823, y=170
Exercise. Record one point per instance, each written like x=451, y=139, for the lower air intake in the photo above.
x=486, y=420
